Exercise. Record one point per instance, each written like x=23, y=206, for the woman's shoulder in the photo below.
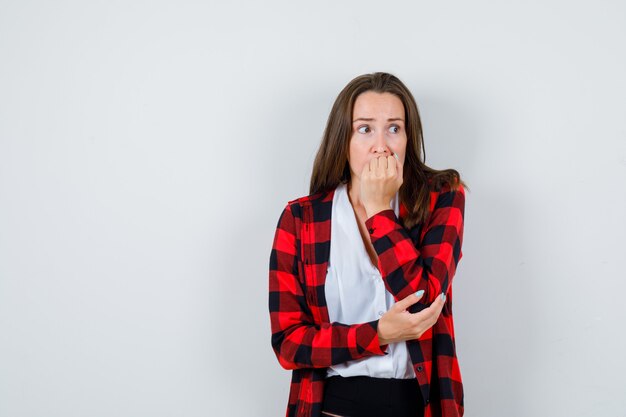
x=441, y=184
x=446, y=195
x=318, y=205
x=319, y=197
x=446, y=187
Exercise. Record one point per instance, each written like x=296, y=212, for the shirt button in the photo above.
x=371, y=230
x=419, y=368
x=380, y=313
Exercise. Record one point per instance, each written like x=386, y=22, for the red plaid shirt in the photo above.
x=422, y=258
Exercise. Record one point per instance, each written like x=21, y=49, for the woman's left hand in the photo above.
x=380, y=181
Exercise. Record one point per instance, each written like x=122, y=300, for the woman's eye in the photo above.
x=364, y=129
x=394, y=129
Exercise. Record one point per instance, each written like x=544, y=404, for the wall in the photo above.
x=148, y=148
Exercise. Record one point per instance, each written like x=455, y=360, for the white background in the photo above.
x=147, y=149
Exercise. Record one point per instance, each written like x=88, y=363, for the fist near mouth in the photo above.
x=381, y=179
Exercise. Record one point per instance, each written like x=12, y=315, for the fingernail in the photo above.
x=420, y=293
x=443, y=296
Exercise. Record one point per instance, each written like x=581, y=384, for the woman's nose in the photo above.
x=381, y=149
x=380, y=146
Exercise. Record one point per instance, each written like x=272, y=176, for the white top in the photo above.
x=356, y=293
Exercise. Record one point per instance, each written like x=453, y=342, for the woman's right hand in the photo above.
x=398, y=325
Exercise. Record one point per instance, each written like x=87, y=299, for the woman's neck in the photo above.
x=354, y=194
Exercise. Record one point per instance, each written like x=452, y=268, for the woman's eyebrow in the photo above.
x=369, y=119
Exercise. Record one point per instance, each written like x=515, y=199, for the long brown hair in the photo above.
x=331, y=162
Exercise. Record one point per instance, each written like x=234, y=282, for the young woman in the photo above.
x=360, y=293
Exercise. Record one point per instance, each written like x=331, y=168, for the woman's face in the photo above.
x=378, y=129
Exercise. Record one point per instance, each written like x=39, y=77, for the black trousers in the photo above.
x=364, y=396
